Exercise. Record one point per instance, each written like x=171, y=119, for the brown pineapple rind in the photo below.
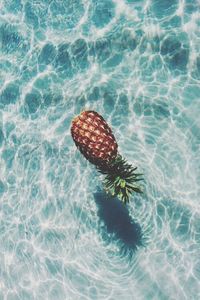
x=94, y=138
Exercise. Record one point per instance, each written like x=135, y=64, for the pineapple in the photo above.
x=95, y=140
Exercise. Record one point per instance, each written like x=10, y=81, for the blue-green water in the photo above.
x=138, y=64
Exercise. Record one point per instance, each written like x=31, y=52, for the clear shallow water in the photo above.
x=138, y=64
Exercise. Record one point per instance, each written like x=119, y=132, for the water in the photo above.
x=138, y=64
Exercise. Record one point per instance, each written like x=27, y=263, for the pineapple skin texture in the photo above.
x=94, y=138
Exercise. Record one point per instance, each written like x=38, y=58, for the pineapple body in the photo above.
x=94, y=138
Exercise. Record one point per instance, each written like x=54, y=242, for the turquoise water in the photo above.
x=138, y=64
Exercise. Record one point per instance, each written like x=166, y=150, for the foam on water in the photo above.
x=137, y=63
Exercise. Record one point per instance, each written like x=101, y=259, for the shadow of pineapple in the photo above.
x=118, y=224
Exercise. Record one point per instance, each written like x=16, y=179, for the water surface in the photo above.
x=138, y=64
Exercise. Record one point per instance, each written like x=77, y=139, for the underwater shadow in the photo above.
x=119, y=223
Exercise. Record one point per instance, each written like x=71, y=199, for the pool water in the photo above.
x=137, y=63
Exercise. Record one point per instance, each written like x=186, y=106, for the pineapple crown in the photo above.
x=121, y=179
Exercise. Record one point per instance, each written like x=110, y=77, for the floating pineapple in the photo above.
x=94, y=138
